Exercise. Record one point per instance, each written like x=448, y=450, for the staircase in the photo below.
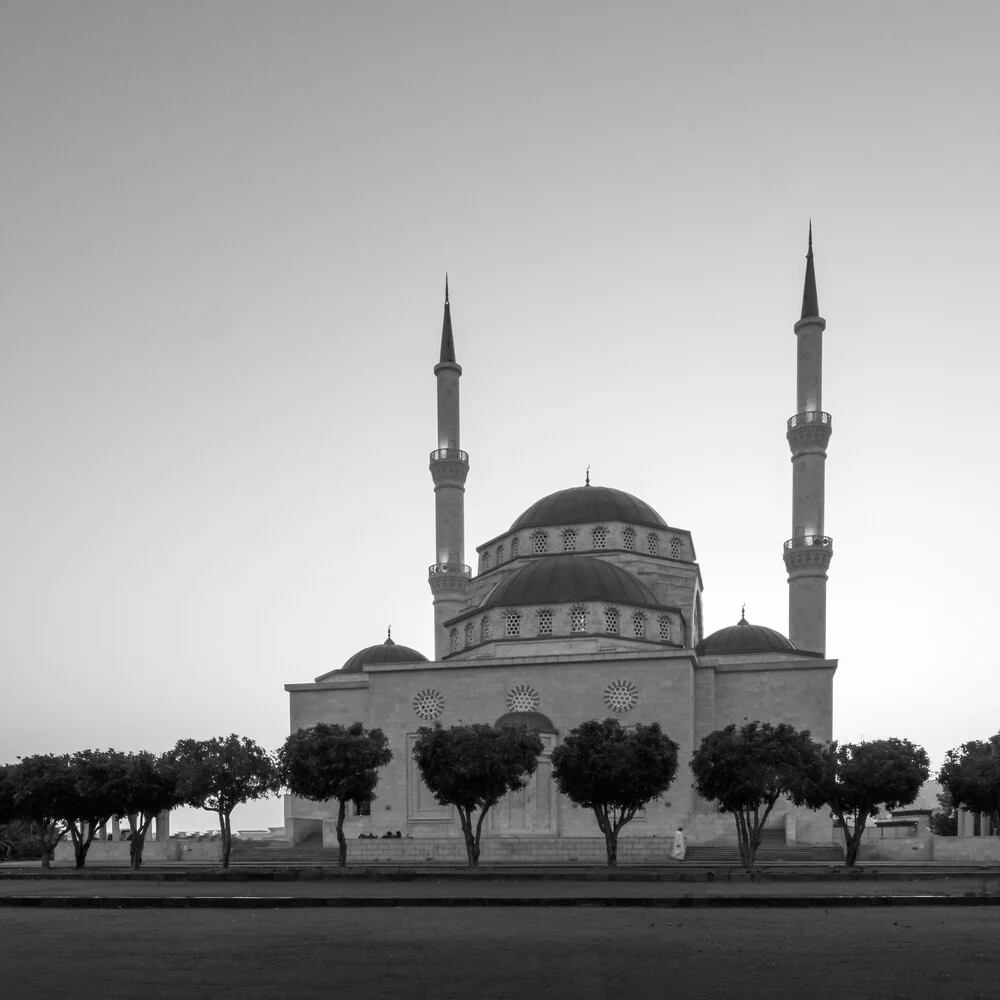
x=772, y=848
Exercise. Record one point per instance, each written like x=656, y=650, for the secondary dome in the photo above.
x=384, y=652
x=744, y=638
x=531, y=720
x=588, y=503
x=557, y=579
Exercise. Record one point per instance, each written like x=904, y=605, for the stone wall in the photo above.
x=154, y=851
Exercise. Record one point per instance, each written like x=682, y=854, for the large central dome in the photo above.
x=557, y=579
x=588, y=503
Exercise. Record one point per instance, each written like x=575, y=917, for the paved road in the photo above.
x=429, y=888
x=936, y=954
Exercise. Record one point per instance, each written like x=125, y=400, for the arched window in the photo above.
x=611, y=620
x=600, y=537
x=454, y=640
x=512, y=623
x=652, y=543
x=638, y=625
x=515, y=547
x=664, y=624
x=486, y=561
x=675, y=548
x=578, y=620
x=569, y=540
x=500, y=553
x=484, y=629
x=539, y=542
x=628, y=539
x=545, y=622
x=468, y=634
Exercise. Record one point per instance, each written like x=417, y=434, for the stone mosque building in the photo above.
x=588, y=605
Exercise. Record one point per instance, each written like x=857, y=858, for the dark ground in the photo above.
x=478, y=954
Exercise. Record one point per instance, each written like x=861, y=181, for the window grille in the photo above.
x=664, y=624
x=454, y=640
x=652, y=543
x=539, y=542
x=638, y=625
x=499, y=554
x=545, y=622
x=486, y=561
x=515, y=548
x=512, y=623
x=484, y=630
x=569, y=540
x=600, y=537
x=468, y=634
x=611, y=620
x=578, y=620
x=628, y=539
x=675, y=548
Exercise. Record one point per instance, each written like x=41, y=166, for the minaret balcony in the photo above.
x=809, y=432
x=450, y=455
x=810, y=555
x=810, y=417
x=809, y=541
x=449, y=569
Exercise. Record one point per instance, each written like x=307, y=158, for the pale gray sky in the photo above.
x=223, y=234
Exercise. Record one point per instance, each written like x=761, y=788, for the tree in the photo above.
x=333, y=762
x=473, y=767
x=87, y=801
x=856, y=780
x=40, y=782
x=221, y=773
x=614, y=771
x=746, y=770
x=971, y=776
x=944, y=820
x=144, y=786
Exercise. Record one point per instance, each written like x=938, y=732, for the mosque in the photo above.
x=587, y=606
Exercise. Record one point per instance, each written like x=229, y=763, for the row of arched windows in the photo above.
x=513, y=623
x=568, y=536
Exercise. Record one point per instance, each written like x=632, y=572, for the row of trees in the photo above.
x=601, y=766
x=55, y=796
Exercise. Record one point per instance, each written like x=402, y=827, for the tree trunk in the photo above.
x=471, y=847
x=341, y=839
x=611, y=843
x=46, y=858
x=227, y=838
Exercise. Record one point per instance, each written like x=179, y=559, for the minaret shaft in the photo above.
x=809, y=551
x=448, y=576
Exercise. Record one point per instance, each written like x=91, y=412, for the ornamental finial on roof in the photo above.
x=743, y=615
x=587, y=483
x=447, y=337
x=388, y=637
x=810, y=300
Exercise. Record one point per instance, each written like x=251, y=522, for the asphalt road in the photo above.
x=477, y=954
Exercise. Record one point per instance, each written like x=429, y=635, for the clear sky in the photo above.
x=224, y=229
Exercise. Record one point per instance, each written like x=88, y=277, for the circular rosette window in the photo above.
x=522, y=698
x=621, y=696
x=428, y=704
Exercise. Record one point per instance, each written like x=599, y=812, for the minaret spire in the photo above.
x=810, y=300
x=809, y=551
x=447, y=338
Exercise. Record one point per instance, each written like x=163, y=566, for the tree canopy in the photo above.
x=144, y=786
x=614, y=771
x=472, y=767
x=857, y=780
x=40, y=784
x=328, y=762
x=746, y=769
x=221, y=773
x=971, y=776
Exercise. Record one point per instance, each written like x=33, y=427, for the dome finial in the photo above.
x=388, y=637
x=743, y=615
x=587, y=483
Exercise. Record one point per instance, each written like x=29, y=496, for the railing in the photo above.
x=449, y=455
x=449, y=569
x=810, y=541
x=810, y=417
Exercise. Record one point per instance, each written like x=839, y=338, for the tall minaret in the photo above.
x=809, y=551
x=449, y=575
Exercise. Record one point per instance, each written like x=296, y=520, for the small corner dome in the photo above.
x=530, y=720
x=562, y=578
x=744, y=638
x=588, y=503
x=384, y=652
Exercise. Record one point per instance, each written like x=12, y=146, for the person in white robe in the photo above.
x=680, y=845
